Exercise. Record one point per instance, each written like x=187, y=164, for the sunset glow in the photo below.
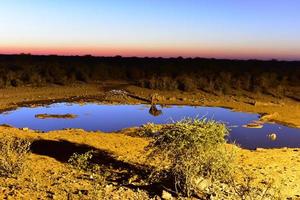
x=218, y=28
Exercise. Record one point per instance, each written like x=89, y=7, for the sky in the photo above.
x=240, y=29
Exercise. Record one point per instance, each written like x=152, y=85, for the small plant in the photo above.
x=249, y=188
x=13, y=154
x=196, y=152
x=81, y=161
x=149, y=130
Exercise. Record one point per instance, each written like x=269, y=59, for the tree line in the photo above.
x=277, y=78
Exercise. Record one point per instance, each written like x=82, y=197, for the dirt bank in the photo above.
x=286, y=111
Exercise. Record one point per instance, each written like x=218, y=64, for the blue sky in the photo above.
x=207, y=28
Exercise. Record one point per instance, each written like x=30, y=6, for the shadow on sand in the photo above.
x=121, y=171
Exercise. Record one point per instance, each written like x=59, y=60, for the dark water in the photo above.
x=108, y=118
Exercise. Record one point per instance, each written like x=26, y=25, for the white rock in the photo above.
x=166, y=195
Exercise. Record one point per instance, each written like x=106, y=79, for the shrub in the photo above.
x=81, y=161
x=196, y=152
x=194, y=157
x=13, y=154
x=15, y=82
x=149, y=130
x=2, y=83
x=249, y=189
x=84, y=161
x=187, y=84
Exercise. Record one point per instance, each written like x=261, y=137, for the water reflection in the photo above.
x=154, y=111
x=109, y=118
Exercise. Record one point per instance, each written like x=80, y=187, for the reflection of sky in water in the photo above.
x=115, y=117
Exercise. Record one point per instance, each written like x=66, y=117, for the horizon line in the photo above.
x=155, y=57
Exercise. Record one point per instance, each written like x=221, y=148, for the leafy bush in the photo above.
x=13, y=153
x=196, y=152
x=81, y=161
x=84, y=161
x=194, y=156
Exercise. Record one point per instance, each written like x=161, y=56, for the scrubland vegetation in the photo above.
x=190, y=160
x=199, y=163
x=13, y=153
x=276, y=78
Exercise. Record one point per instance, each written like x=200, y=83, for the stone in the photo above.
x=253, y=125
x=202, y=184
x=272, y=136
x=166, y=195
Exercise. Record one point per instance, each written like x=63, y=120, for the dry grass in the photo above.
x=13, y=154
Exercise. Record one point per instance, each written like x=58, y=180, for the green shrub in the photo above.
x=84, y=161
x=196, y=152
x=194, y=157
x=13, y=154
x=81, y=161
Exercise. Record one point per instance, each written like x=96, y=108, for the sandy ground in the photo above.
x=48, y=176
x=47, y=171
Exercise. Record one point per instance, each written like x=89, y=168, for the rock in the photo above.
x=202, y=184
x=272, y=136
x=166, y=195
x=154, y=111
x=268, y=117
x=260, y=149
x=253, y=125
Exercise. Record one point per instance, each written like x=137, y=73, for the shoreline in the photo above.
x=95, y=93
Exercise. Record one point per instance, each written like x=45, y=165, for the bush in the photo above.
x=249, y=189
x=13, y=154
x=149, y=130
x=83, y=161
x=196, y=152
x=194, y=157
x=187, y=84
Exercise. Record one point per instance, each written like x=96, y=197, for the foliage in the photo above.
x=194, y=156
x=13, y=154
x=249, y=189
x=196, y=152
x=148, y=130
x=83, y=161
x=277, y=78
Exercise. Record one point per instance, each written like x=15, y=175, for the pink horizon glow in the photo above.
x=153, y=52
